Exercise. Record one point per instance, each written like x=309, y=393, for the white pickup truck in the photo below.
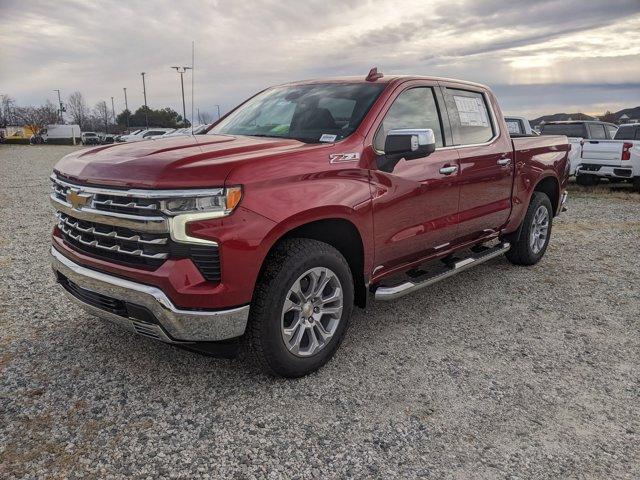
x=617, y=159
x=579, y=131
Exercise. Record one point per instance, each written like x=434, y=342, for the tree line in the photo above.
x=99, y=118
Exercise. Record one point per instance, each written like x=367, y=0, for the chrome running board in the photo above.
x=448, y=270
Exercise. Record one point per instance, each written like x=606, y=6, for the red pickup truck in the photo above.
x=267, y=230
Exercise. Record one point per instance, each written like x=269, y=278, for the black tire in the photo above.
x=636, y=184
x=585, y=180
x=289, y=260
x=522, y=251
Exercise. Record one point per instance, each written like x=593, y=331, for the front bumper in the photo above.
x=142, y=308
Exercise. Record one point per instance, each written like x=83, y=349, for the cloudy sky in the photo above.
x=540, y=56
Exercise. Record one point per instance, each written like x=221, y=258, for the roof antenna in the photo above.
x=373, y=75
x=193, y=61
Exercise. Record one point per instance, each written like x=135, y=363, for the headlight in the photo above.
x=222, y=203
x=197, y=208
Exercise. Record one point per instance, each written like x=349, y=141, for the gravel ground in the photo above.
x=501, y=372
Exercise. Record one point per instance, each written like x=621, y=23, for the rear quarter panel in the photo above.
x=536, y=158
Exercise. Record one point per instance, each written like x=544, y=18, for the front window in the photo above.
x=311, y=113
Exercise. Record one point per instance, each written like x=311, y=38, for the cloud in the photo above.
x=242, y=47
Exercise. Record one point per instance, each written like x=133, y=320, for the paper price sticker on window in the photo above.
x=472, y=111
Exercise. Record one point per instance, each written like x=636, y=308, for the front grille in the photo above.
x=137, y=245
x=115, y=243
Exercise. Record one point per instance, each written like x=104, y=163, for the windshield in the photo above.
x=90, y=135
x=310, y=113
x=568, y=129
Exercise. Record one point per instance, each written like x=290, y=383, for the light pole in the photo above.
x=182, y=71
x=144, y=92
x=126, y=105
x=218, y=107
x=60, y=107
x=113, y=112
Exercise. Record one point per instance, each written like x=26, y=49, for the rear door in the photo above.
x=486, y=161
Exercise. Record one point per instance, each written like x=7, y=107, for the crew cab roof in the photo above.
x=386, y=79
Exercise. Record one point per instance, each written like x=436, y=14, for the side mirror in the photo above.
x=409, y=143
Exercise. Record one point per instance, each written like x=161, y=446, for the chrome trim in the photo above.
x=449, y=170
x=392, y=293
x=113, y=248
x=142, y=193
x=113, y=234
x=133, y=222
x=178, y=226
x=175, y=325
x=111, y=203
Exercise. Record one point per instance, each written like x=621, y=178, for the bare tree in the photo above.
x=7, y=107
x=36, y=118
x=204, y=118
x=101, y=111
x=77, y=108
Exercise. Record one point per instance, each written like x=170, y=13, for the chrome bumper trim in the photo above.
x=175, y=325
x=133, y=222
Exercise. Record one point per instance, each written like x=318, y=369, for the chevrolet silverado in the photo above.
x=296, y=206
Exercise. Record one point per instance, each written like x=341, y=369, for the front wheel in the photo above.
x=301, y=307
x=535, y=232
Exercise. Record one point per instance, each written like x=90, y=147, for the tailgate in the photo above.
x=602, y=152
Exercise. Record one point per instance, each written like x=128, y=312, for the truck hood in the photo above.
x=176, y=162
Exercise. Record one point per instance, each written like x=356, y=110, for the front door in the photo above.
x=415, y=205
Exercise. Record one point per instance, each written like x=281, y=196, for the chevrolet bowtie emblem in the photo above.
x=77, y=199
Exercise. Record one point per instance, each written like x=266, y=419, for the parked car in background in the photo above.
x=297, y=204
x=576, y=131
x=107, y=138
x=145, y=134
x=519, y=126
x=617, y=160
x=90, y=138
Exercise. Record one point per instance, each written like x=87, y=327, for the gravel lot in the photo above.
x=501, y=372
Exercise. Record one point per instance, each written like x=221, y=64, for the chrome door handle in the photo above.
x=448, y=170
x=504, y=161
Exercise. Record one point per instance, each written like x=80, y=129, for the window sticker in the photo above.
x=472, y=111
x=326, y=137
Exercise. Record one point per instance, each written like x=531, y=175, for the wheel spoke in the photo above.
x=294, y=345
x=324, y=334
x=290, y=305
x=335, y=295
x=334, y=311
x=313, y=342
x=289, y=332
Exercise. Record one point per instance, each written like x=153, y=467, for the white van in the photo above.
x=60, y=132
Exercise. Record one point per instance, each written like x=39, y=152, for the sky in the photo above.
x=539, y=56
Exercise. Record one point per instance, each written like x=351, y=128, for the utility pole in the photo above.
x=182, y=71
x=126, y=105
x=144, y=91
x=60, y=106
x=113, y=112
x=218, y=107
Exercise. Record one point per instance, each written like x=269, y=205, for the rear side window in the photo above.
x=611, y=130
x=414, y=108
x=469, y=117
x=628, y=133
x=596, y=131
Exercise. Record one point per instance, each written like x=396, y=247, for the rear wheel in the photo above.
x=586, y=180
x=301, y=307
x=535, y=232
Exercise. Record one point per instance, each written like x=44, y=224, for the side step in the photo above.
x=448, y=270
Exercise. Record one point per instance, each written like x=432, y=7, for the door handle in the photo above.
x=449, y=170
x=504, y=161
